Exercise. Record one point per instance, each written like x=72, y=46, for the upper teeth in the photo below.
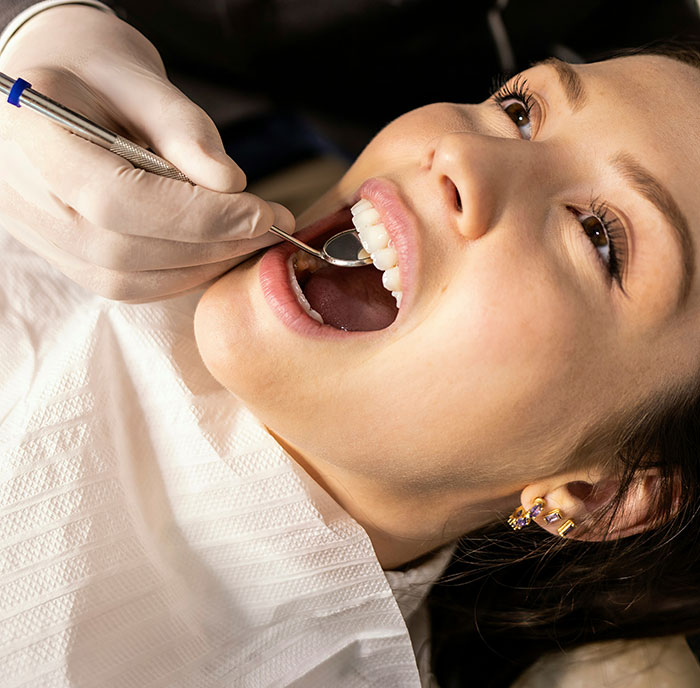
x=377, y=244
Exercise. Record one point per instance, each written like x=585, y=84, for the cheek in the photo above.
x=495, y=355
x=478, y=383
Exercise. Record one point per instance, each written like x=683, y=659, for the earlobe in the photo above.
x=582, y=497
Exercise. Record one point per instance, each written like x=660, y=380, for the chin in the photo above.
x=242, y=344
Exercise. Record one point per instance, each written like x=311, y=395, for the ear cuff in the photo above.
x=522, y=517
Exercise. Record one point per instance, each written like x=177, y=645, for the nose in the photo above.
x=476, y=176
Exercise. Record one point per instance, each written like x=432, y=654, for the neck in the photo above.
x=405, y=526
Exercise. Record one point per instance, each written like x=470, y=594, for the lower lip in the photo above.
x=278, y=292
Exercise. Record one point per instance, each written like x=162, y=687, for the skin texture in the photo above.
x=518, y=344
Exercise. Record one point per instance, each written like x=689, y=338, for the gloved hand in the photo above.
x=119, y=231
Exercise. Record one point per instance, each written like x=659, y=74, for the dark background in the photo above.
x=327, y=74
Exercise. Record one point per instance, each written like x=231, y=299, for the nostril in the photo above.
x=453, y=193
x=458, y=200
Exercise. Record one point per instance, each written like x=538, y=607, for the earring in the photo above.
x=553, y=516
x=566, y=527
x=537, y=507
x=521, y=518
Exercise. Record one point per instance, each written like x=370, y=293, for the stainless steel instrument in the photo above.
x=341, y=250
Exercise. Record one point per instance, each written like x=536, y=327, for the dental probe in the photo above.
x=19, y=92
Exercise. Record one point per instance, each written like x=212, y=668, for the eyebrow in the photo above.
x=646, y=184
x=571, y=82
x=638, y=177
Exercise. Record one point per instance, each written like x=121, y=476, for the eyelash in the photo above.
x=612, y=227
x=614, y=233
x=518, y=90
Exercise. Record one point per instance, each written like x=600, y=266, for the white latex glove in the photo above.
x=116, y=230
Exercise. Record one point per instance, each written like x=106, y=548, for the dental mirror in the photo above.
x=343, y=249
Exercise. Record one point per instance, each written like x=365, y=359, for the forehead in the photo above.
x=650, y=102
x=657, y=95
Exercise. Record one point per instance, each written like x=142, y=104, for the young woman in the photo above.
x=541, y=369
x=544, y=352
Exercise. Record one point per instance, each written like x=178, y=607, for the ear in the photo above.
x=579, y=495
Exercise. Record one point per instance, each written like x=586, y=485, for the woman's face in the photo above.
x=543, y=277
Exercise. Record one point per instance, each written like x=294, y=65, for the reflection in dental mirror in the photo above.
x=345, y=246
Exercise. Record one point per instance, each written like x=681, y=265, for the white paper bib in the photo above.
x=153, y=533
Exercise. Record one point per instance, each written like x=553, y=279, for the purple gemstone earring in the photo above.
x=552, y=517
x=537, y=507
x=519, y=518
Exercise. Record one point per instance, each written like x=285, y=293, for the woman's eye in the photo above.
x=519, y=112
x=517, y=101
x=595, y=230
x=608, y=236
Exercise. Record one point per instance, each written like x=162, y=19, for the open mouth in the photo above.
x=352, y=299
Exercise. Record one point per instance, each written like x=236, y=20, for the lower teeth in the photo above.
x=292, y=264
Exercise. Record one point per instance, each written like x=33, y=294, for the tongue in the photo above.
x=351, y=298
